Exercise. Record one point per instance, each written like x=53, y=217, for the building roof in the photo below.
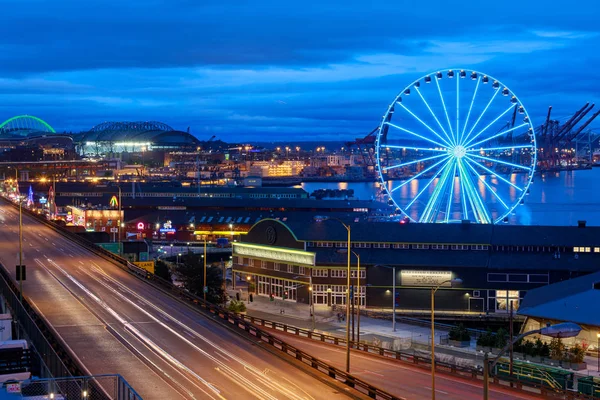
x=575, y=300
x=501, y=235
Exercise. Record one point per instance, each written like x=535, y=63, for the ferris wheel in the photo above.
x=456, y=145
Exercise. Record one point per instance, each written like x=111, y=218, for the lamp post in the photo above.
x=348, y=229
x=453, y=282
x=359, y=298
x=20, y=277
x=205, y=288
x=119, y=227
x=598, y=352
x=562, y=330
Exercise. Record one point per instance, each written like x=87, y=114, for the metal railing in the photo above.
x=94, y=387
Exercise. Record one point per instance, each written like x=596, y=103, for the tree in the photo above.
x=557, y=349
x=191, y=273
x=161, y=269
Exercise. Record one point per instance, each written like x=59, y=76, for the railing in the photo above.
x=94, y=387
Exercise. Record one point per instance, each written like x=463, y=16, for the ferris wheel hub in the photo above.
x=459, y=151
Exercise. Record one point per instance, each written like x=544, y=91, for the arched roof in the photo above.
x=153, y=132
x=24, y=126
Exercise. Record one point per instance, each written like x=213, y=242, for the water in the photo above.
x=560, y=198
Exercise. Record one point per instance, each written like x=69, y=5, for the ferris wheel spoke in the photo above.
x=486, y=184
x=424, y=124
x=479, y=210
x=470, y=108
x=428, y=184
x=499, y=161
x=420, y=173
x=414, y=162
x=525, y=146
x=433, y=114
x=429, y=212
x=437, y=83
x=481, y=116
x=463, y=194
x=415, y=134
x=491, y=123
x=494, y=173
x=498, y=135
x=457, y=107
x=451, y=183
x=393, y=146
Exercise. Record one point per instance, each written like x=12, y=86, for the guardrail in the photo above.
x=249, y=325
x=231, y=318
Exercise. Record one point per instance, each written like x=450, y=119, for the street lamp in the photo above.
x=205, y=288
x=354, y=297
x=21, y=268
x=324, y=218
x=562, y=330
x=598, y=351
x=453, y=282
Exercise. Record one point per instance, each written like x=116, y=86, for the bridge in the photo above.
x=114, y=322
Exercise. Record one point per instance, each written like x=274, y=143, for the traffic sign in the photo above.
x=114, y=230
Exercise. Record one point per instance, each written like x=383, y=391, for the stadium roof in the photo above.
x=140, y=131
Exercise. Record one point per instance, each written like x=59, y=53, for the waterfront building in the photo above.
x=497, y=263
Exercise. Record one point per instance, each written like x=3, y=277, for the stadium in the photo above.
x=29, y=138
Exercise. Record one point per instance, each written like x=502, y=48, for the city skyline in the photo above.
x=240, y=72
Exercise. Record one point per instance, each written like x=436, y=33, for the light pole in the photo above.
x=178, y=255
x=20, y=277
x=598, y=352
x=205, y=288
x=562, y=330
x=453, y=282
x=119, y=224
x=348, y=229
x=359, y=298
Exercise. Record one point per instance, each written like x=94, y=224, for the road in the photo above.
x=116, y=323
x=410, y=382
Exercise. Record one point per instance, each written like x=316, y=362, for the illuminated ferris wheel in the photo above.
x=456, y=145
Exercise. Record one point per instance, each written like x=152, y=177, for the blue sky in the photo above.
x=277, y=70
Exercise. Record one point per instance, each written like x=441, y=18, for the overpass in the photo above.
x=114, y=322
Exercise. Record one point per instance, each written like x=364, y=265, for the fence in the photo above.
x=95, y=387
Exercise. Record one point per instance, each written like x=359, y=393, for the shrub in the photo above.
x=545, y=350
x=529, y=348
x=501, y=338
x=557, y=349
x=486, y=339
x=459, y=333
x=236, y=306
x=576, y=354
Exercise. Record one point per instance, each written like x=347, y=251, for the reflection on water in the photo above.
x=555, y=198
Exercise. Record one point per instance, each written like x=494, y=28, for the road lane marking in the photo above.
x=437, y=390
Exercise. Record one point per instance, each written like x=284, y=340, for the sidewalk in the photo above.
x=406, y=337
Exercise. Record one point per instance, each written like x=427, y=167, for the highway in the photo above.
x=116, y=323
x=410, y=382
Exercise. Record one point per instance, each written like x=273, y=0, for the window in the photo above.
x=582, y=250
x=439, y=247
x=401, y=246
x=310, y=244
x=497, y=277
x=302, y=270
x=338, y=273
x=342, y=244
x=324, y=244
x=359, y=245
x=518, y=278
x=539, y=278
x=276, y=266
x=462, y=247
x=321, y=273
x=596, y=249
x=363, y=274
x=480, y=247
x=263, y=264
x=420, y=246
x=381, y=245
x=290, y=269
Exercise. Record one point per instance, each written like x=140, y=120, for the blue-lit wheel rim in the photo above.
x=456, y=145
